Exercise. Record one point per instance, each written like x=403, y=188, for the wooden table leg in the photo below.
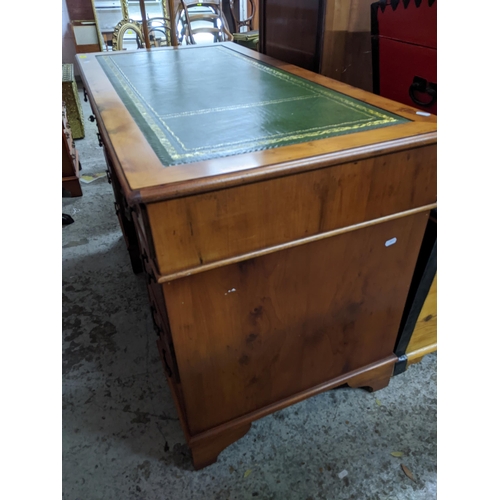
x=373, y=379
x=205, y=448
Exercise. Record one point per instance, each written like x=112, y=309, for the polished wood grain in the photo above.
x=165, y=278
x=142, y=174
x=196, y=230
x=259, y=331
x=424, y=338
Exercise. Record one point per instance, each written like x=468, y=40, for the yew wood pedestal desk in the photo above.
x=278, y=215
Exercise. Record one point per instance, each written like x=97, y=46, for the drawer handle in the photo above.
x=99, y=139
x=92, y=118
x=108, y=175
x=421, y=85
x=85, y=94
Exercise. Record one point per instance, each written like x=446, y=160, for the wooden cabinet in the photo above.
x=330, y=37
x=292, y=31
x=70, y=160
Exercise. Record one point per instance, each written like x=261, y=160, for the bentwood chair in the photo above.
x=159, y=31
x=241, y=23
x=199, y=22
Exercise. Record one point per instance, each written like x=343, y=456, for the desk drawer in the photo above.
x=208, y=228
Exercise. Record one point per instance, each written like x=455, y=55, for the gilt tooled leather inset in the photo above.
x=208, y=102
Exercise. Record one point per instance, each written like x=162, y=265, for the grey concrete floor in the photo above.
x=121, y=435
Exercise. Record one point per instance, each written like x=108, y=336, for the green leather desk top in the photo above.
x=195, y=105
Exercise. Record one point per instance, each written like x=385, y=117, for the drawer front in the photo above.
x=202, y=229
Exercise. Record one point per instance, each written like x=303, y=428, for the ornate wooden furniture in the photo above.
x=278, y=216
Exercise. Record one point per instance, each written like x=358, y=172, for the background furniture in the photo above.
x=127, y=27
x=159, y=31
x=292, y=31
x=330, y=37
x=279, y=242
x=239, y=24
x=70, y=161
x=87, y=36
x=404, y=50
x=71, y=99
x=202, y=18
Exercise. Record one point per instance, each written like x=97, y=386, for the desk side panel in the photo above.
x=198, y=230
x=257, y=332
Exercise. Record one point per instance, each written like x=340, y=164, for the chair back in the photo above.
x=159, y=31
x=196, y=19
x=241, y=23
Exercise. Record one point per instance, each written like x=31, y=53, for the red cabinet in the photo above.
x=404, y=48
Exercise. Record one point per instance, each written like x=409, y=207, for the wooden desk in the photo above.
x=278, y=215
